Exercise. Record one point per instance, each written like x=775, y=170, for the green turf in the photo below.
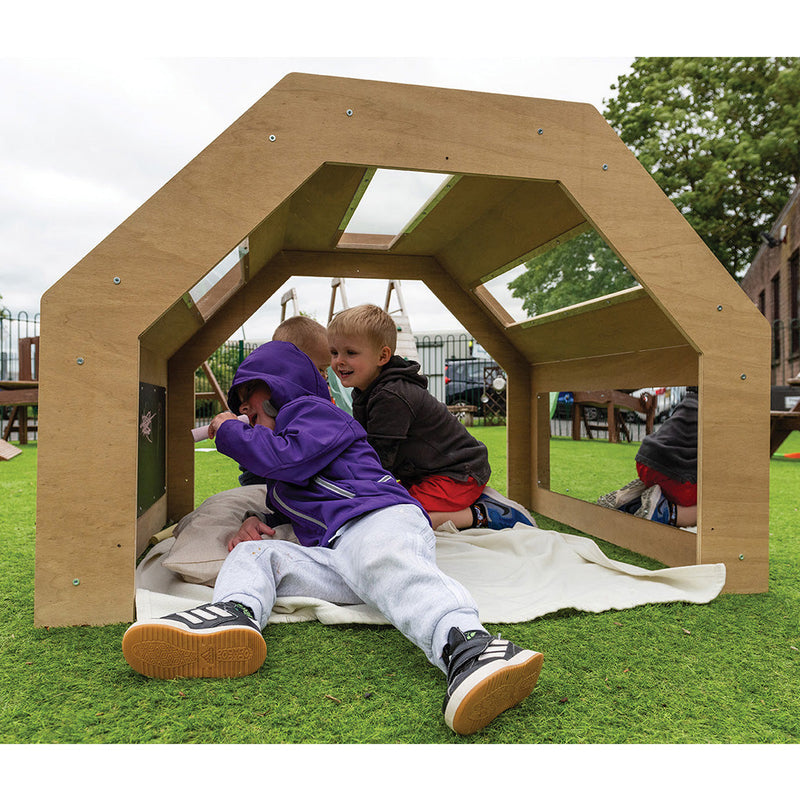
x=725, y=672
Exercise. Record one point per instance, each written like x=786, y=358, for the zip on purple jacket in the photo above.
x=319, y=468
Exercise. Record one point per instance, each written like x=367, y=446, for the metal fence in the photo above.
x=433, y=351
x=12, y=329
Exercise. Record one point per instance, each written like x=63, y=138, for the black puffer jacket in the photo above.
x=414, y=434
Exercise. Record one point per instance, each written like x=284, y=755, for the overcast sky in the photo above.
x=84, y=142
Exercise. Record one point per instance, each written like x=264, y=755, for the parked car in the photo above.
x=476, y=382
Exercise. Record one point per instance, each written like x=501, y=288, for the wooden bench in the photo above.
x=611, y=400
x=463, y=412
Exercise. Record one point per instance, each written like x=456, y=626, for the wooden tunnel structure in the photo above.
x=121, y=336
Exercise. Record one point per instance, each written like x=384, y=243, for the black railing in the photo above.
x=12, y=330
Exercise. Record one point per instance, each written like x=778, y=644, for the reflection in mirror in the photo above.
x=637, y=449
x=576, y=270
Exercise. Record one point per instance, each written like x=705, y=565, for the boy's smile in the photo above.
x=356, y=361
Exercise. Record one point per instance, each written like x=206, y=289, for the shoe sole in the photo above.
x=618, y=498
x=490, y=690
x=650, y=498
x=162, y=651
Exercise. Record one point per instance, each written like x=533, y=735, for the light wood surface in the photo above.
x=283, y=178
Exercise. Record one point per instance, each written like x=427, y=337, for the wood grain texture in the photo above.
x=282, y=178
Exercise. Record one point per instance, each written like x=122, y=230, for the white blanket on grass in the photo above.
x=514, y=575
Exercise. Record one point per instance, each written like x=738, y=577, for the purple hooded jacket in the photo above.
x=320, y=470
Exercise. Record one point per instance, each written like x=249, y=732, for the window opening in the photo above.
x=390, y=202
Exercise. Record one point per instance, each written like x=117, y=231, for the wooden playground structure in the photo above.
x=122, y=337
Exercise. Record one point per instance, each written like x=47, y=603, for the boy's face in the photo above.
x=321, y=356
x=252, y=396
x=356, y=361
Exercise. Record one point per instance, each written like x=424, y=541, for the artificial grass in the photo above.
x=724, y=672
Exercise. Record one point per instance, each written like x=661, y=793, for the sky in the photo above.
x=102, y=103
x=90, y=132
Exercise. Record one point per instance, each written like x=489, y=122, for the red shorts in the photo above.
x=681, y=493
x=441, y=494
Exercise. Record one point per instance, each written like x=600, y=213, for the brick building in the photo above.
x=773, y=284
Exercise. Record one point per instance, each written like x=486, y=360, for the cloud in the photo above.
x=83, y=143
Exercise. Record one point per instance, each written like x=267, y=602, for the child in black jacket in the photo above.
x=417, y=439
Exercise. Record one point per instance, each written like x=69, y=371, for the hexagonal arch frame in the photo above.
x=281, y=178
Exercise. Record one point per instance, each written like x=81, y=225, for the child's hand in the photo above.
x=214, y=425
x=250, y=531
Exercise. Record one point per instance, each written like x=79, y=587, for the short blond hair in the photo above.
x=367, y=321
x=304, y=332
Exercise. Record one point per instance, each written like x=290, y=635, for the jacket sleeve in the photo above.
x=306, y=439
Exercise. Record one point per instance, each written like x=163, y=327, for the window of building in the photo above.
x=794, y=301
x=777, y=324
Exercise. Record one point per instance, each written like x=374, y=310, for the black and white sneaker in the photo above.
x=485, y=676
x=620, y=498
x=212, y=640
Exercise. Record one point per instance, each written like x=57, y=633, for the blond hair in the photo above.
x=367, y=321
x=304, y=332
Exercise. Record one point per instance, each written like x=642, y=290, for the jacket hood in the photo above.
x=287, y=371
x=398, y=367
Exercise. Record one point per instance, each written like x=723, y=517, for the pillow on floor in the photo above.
x=200, y=545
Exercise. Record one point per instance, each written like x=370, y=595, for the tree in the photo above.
x=580, y=269
x=719, y=136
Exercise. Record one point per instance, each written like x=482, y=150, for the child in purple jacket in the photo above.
x=362, y=539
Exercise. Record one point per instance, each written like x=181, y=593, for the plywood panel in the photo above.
x=463, y=206
x=264, y=177
x=180, y=445
x=534, y=213
x=173, y=327
x=222, y=290
x=673, y=367
x=733, y=467
x=319, y=205
x=669, y=545
x=619, y=323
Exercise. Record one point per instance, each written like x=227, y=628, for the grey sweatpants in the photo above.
x=385, y=558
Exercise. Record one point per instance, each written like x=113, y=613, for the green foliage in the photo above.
x=720, y=137
x=580, y=269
